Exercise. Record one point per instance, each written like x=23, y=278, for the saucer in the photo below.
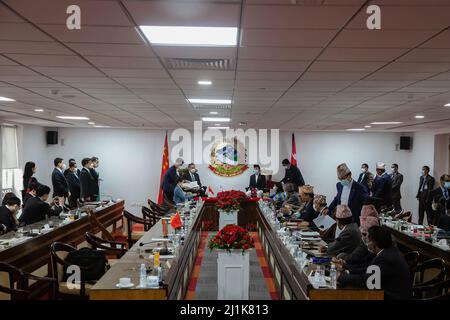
x=118, y=285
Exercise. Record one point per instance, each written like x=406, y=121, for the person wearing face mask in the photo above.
x=60, y=185
x=397, y=180
x=426, y=184
x=87, y=181
x=292, y=174
x=291, y=196
x=349, y=192
x=192, y=175
x=365, y=177
x=442, y=193
x=37, y=208
x=170, y=179
x=307, y=213
x=382, y=187
x=257, y=181
x=73, y=179
x=8, y=212
x=394, y=271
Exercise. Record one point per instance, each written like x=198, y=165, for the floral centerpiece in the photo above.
x=230, y=200
x=232, y=237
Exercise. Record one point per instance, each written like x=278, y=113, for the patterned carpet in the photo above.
x=203, y=283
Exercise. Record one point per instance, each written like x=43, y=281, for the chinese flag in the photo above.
x=164, y=168
x=294, y=152
x=175, y=222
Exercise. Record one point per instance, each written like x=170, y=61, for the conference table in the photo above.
x=291, y=281
x=29, y=248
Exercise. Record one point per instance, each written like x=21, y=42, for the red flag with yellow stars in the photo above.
x=175, y=222
x=164, y=168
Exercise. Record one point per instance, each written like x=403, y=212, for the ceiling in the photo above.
x=300, y=64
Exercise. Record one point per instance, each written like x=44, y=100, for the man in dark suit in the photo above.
x=349, y=238
x=292, y=174
x=382, y=186
x=365, y=177
x=442, y=196
x=394, y=271
x=192, y=175
x=426, y=184
x=38, y=208
x=74, y=184
x=307, y=213
x=66, y=172
x=60, y=186
x=257, y=181
x=96, y=176
x=349, y=192
x=8, y=212
x=170, y=179
x=397, y=180
x=87, y=181
x=32, y=187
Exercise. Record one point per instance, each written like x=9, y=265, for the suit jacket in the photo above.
x=7, y=222
x=60, y=186
x=397, y=180
x=169, y=180
x=438, y=193
x=187, y=176
x=260, y=184
x=87, y=185
x=293, y=175
x=358, y=194
x=67, y=171
x=27, y=181
x=428, y=185
x=395, y=278
x=25, y=198
x=364, y=178
x=96, y=185
x=382, y=188
x=36, y=209
x=74, y=184
x=443, y=222
x=293, y=199
x=347, y=241
x=308, y=213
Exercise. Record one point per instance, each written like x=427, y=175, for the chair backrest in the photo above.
x=412, y=259
x=131, y=219
x=150, y=215
x=430, y=272
x=58, y=253
x=10, y=285
x=162, y=210
x=436, y=291
x=168, y=202
x=108, y=247
x=98, y=226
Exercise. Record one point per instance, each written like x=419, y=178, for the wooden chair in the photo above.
x=412, y=259
x=150, y=215
x=134, y=236
x=430, y=272
x=168, y=202
x=110, y=248
x=18, y=286
x=435, y=291
x=97, y=226
x=58, y=254
x=160, y=209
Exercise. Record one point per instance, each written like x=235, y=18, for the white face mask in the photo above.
x=363, y=170
x=193, y=170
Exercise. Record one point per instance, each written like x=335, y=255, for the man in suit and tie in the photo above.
x=192, y=175
x=37, y=208
x=67, y=171
x=257, y=181
x=382, y=186
x=365, y=177
x=87, y=181
x=170, y=179
x=96, y=176
x=8, y=211
x=349, y=192
x=73, y=180
x=292, y=174
x=60, y=185
x=397, y=180
x=426, y=185
x=442, y=195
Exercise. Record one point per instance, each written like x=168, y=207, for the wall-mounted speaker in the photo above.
x=52, y=137
x=405, y=143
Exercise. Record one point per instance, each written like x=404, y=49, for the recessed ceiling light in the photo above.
x=213, y=112
x=447, y=105
x=419, y=117
x=242, y=123
x=387, y=122
x=38, y=110
x=207, y=119
x=72, y=118
x=190, y=36
x=102, y=127
x=217, y=124
x=218, y=127
x=356, y=129
x=91, y=123
x=210, y=101
x=204, y=82
x=6, y=99
x=367, y=126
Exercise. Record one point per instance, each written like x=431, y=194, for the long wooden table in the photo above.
x=33, y=255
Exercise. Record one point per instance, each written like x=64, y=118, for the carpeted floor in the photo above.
x=203, y=283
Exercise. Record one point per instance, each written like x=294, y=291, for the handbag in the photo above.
x=92, y=262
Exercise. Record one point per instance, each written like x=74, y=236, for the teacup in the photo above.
x=124, y=282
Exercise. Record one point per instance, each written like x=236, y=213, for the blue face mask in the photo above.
x=447, y=185
x=345, y=182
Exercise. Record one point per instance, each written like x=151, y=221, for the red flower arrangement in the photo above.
x=232, y=237
x=209, y=225
x=230, y=200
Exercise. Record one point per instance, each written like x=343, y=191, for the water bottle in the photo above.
x=143, y=276
x=333, y=280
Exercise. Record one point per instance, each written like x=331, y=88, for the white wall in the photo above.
x=131, y=159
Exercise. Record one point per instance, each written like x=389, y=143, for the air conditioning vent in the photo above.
x=199, y=64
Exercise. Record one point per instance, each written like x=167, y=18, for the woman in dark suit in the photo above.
x=28, y=172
